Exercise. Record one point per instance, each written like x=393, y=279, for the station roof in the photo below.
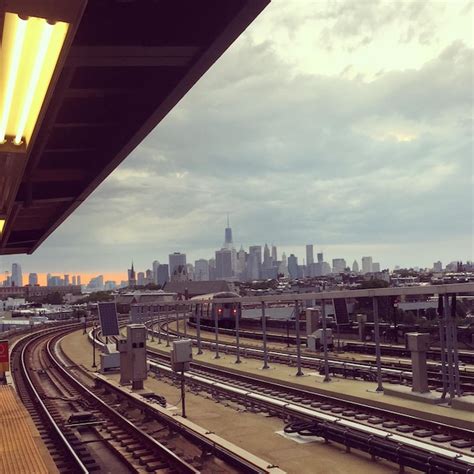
x=123, y=66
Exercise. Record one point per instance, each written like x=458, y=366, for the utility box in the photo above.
x=136, y=354
x=361, y=321
x=125, y=362
x=109, y=358
x=315, y=341
x=181, y=355
x=312, y=320
x=418, y=342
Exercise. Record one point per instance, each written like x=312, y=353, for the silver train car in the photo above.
x=226, y=313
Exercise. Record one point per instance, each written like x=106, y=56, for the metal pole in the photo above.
x=177, y=321
x=442, y=346
x=167, y=326
x=216, y=330
x=377, y=344
x=264, y=332
x=183, y=395
x=159, y=324
x=153, y=326
x=288, y=332
x=185, y=317
x=325, y=343
x=449, y=347
x=454, y=328
x=237, y=339
x=93, y=346
x=198, y=328
x=298, y=340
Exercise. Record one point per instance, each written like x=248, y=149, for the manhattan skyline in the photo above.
x=361, y=158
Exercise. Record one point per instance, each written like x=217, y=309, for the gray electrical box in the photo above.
x=125, y=362
x=181, y=355
x=312, y=320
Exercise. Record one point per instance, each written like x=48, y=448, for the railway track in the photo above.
x=395, y=372
x=89, y=428
x=421, y=444
x=466, y=356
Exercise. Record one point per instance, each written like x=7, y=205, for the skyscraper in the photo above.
x=201, y=270
x=155, y=265
x=437, y=266
x=254, y=263
x=140, y=279
x=176, y=259
x=293, y=266
x=338, y=265
x=74, y=280
x=309, y=255
x=355, y=267
x=366, y=264
x=375, y=267
x=33, y=279
x=223, y=264
x=228, y=244
x=163, y=274
x=274, y=253
x=267, y=259
x=17, y=276
x=79, y=280
x=66, y=280
x=320, y=257
x=132, y=279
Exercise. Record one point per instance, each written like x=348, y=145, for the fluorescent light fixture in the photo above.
x=2, y=225
x=30, y=51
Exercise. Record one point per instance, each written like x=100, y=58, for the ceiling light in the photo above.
x=2, y=225
x=30, y=51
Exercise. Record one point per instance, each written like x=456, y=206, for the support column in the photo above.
x=298, y=340
x=325, y=343
x=377, y=344
x=264, y=335
x=418, y=344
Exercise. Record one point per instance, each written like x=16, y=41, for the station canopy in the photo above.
x=82, y=83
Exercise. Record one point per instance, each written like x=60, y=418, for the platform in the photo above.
x=21, y=448
x=347, y=389
x=255, y=433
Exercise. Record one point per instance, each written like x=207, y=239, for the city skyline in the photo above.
x=364, y=158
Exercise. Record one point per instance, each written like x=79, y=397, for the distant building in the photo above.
x=17, y=276
x=375, y=267
x=66, y=280
x=320, y=257
x=176, y=259
x=437, y=267
x=162, y=274
x=325, y=268
x=355, y=267
x=149, y=277
x=197, y=288
x=132, y=279
x=155, y=266
x=74, y=281
x=110, y=285
x=309, y=254
x=366, y=264
x=267, y=259
x=141, y=279
x=274, y=254
x=293, y=266
x=96, y=283
x=79, y=280
x=228, y=244
x=223, y=264
x=33, y=279
x=338, y=265
x=254, y=262
x=201, y=270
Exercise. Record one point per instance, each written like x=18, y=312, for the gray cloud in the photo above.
x=293, y=158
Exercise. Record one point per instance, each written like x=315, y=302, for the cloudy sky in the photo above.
x=347, y=124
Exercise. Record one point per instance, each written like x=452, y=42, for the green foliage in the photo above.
x=373, y=283
x=96, y=297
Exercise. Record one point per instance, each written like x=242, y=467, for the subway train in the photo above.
x=226, y=313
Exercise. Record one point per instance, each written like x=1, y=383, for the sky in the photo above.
x=346, y=124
